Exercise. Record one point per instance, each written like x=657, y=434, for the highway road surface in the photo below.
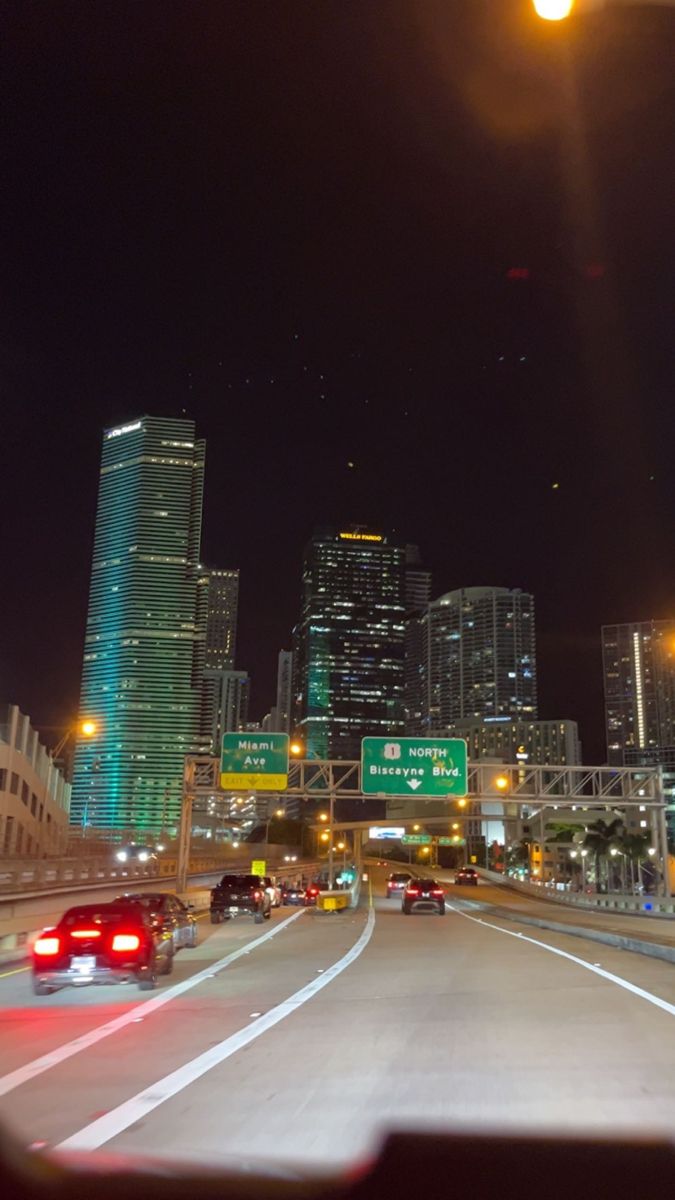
x=293, y=1047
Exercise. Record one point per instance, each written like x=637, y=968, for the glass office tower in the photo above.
x=348, y=646
x=139, y=681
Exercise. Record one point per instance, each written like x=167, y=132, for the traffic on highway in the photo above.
x=353, y=1023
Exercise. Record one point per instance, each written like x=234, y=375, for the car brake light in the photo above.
x=126, y=941
x=438, y=892
x=47, y=947
x=85, y=933
x=257, y=895
x=412, y=891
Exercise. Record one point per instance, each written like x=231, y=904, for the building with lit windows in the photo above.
x=638, y=662
x=140, y=676
x=471, y=654
x=224, y=698
x=348, y=645
x=506, y=740
x=34, y=795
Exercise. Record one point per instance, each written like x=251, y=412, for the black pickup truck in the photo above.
x=237, y=894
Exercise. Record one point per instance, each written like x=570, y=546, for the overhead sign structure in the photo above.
x=251, y=762
x=451, y=841
x=416, y=839
x=414, y=766
x=381, y=833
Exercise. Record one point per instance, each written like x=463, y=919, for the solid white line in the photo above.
x=54, y=1057
x=120, y=1118
x=624, y=983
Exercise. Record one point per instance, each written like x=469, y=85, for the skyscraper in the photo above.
x=471, y=654
x=217, y=604
x=139, y=676
x=348, y=646
x=284, y=704
x=638, y=661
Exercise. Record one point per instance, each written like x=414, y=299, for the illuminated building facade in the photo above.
x=348, y=646
x=639, y=674
x=140, y=673
x=471, y=654
x=224, y=691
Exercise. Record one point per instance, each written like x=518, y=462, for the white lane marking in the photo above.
x=54, y=1057
x=120, y=1118
x=594, y=968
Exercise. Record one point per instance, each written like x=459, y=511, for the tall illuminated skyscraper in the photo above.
x=140, y=676
x=348, y=646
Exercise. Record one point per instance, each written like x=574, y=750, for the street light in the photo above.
x=553, y=10
x=279, y=812
x=501, y=783
x=296, y=748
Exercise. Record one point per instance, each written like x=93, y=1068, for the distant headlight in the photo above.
x=121, y=856
x=143, y=856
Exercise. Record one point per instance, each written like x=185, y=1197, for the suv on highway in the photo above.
x=426, y=894
x=396, y=883
x=102, y=943
x=237, y=894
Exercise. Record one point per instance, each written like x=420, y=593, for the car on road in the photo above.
x=467, y=875
x=397, y=882
x=240, y=894
x=424, y=894
x=273, y=890
x=293, y=893
x=169, y=912
x=115, y=942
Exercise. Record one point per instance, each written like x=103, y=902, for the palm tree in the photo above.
x=599, y=838
x=634, y=846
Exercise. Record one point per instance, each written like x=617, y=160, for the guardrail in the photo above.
x=611, y=901
x=68, y=874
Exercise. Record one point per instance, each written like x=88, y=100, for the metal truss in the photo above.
x=520, y=784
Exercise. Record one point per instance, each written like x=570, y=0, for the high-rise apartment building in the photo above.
x=639, y=674
x=284, y=704
x=417, y=592
x=348, y=646
x=140, y=673
x=471, y=654
x=221, y=694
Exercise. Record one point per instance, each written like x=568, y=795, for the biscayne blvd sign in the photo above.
x=414, y=766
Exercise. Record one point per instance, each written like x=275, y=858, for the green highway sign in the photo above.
x=251, y=762
x=451, y=841
x=416, y=839
x=413, y=766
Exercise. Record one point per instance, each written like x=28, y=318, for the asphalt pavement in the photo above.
x=293, y=1047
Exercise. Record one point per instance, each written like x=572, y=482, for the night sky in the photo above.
x=406, y=263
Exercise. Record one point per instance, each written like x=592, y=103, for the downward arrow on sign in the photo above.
x=414, y=783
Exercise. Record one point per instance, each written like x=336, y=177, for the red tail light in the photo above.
x=412, y=891
x=85, y=933
x=257, y=895
x=47, y=946
x=126, y=941
x=438, y=892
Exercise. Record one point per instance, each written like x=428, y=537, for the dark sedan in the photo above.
x=101, y=943
x=169, y=913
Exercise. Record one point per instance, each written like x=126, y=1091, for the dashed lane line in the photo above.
x=118, y=1119
x=46, y=1061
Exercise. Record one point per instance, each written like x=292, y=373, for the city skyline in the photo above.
x=389, y=306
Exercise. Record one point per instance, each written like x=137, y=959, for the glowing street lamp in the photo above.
x=553, y=10
x=296, y=748
x=501, y=783
x=88, y=728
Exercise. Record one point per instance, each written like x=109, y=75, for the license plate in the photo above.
x=234, y=909
x=425, y=895
x=84, y=965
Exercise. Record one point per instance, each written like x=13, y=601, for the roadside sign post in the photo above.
x=414, y=766
x=258, y=866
